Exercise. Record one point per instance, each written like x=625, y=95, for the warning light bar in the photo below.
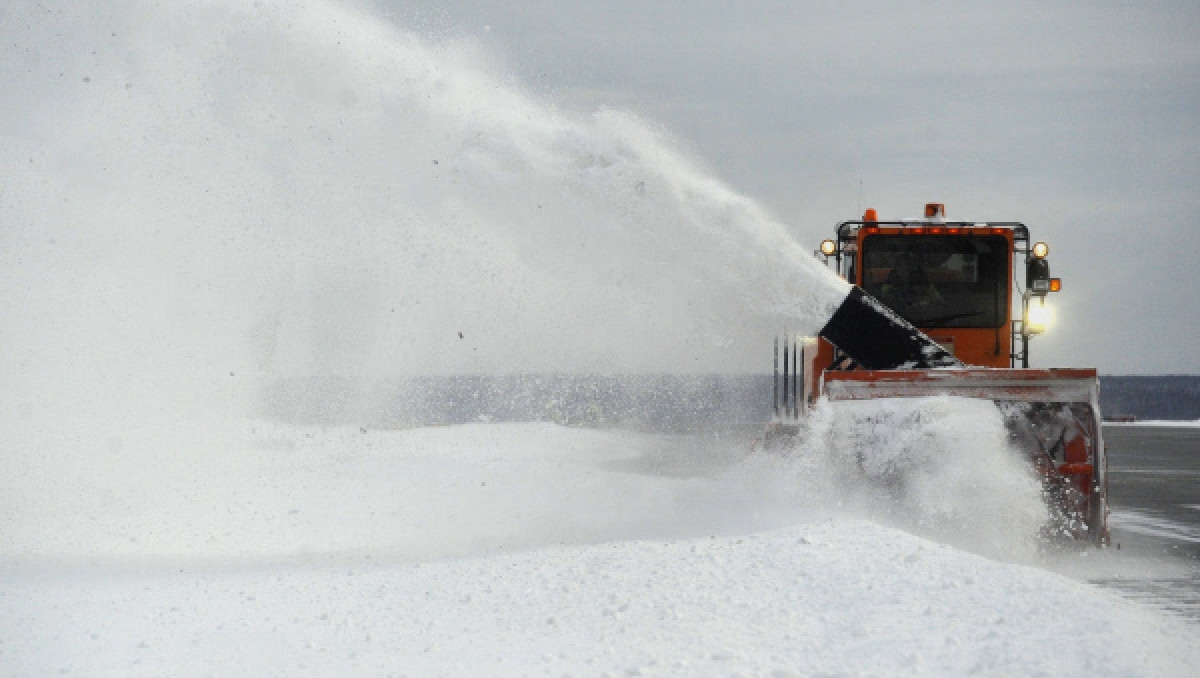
x=932, y=230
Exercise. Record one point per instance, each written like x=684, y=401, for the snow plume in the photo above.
x=197, y=199
x=939, y=466
x=198, y=189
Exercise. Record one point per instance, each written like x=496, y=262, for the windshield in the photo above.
x=939, y=281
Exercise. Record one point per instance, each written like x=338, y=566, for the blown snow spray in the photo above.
x=201, y=198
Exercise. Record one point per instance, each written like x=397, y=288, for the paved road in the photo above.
x=1154, y=491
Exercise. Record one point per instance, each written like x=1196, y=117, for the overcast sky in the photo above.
x=1079, y=119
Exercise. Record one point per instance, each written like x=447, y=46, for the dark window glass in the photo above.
x=939, y=281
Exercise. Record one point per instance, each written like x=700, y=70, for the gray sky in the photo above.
x=1079, y=119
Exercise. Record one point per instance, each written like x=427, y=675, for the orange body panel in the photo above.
x=983, y=347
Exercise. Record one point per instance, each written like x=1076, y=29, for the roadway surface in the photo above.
x=1154, y=492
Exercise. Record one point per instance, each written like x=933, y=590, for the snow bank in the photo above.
x=518, y=549
x=841, y=598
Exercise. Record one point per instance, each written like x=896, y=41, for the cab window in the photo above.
x=939, y=281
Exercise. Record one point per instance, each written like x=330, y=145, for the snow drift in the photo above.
x=521, y=549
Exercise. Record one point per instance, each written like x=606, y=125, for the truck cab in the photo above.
x=959, y=282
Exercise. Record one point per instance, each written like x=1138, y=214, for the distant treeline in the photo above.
x=648, y=402
x=1163, y=397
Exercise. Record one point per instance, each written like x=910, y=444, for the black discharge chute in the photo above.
x=877, y=338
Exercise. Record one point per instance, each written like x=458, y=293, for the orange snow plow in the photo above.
x=937, y=309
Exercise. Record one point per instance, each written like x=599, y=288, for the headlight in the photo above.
x=1040, y=250
x=1038, y=318
x=828, y=247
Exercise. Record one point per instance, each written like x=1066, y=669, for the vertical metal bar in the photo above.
x=787, y=408
x=803, y=383
x=795, y=381
x=775, y=381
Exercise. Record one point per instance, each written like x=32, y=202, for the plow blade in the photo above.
x=1018, y=385
x=1053, y=415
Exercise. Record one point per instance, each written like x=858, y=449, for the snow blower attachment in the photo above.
x=936, y=309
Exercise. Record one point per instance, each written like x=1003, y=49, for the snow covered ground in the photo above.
x=529, y=549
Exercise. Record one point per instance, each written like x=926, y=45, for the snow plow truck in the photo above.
x=949, y=307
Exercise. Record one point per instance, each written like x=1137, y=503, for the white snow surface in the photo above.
x=528, y=549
